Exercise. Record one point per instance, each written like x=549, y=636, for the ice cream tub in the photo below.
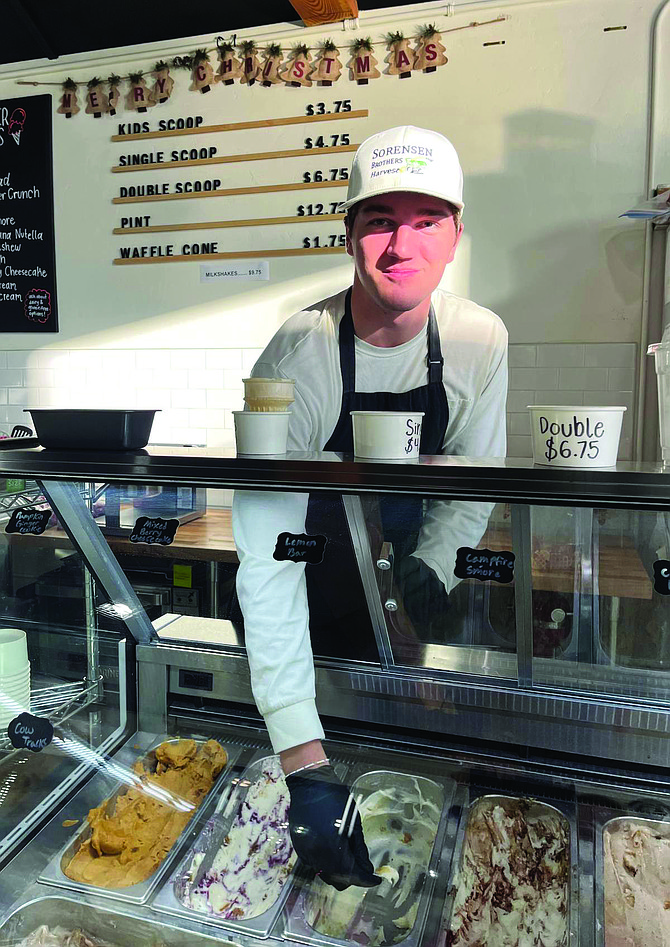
x=482, y=842
x=632, y=868
x=252, y=873
x=575, y=436
x=261, y=432
x=387, y=435
x=39, y=920
x=404, y=822
x=54, y=873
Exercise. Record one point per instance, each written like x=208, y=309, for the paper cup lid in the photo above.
x=576, y=407
x=391, y=414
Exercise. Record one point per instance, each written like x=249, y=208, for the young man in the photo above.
x=393, y=342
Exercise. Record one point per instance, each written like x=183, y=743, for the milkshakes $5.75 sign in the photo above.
x=27, y=248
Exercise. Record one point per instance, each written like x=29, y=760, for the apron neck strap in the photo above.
x=434, y=360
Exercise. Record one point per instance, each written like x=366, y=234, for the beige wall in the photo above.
x=551, y=129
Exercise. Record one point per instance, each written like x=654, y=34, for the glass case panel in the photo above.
x=450, y=592
x=63, y=655
x=599, y=613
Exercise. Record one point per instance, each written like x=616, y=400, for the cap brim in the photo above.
x=407, y=190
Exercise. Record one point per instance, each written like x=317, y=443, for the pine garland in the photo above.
x=362, y=44
x=70, y=85
x=427, y=32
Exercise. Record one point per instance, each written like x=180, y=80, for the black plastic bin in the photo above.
x=92, y=428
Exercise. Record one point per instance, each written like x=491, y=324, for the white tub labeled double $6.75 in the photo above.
x=575, y=436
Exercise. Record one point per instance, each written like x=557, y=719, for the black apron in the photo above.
x=338, y=613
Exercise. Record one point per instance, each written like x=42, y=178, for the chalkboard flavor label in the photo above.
x=485, y=565
x=27, y=732
x=28, y=291
x=28, y=521
x=662, y=576
x=154, y=531
x=300, y=548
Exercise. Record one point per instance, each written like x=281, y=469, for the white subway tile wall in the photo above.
x=198, y=389
x=566, y=374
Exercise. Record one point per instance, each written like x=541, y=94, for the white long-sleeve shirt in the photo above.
x=273, y=594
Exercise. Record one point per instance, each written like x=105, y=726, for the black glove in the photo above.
x=318, y=803
x=424, y=597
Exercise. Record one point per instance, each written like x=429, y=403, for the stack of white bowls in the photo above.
x=14, y=675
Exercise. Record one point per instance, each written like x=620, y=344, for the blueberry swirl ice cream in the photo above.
x=256, y=858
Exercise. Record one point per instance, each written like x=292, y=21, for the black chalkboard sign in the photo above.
x=28, y=521
x=27, y=247
x=662, y=576
x=300, y=548
x=154, y=530
x=27, y=732
x=485, y=565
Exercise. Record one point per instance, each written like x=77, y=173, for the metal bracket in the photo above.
x=385, y=566
x=353, y=510
x=80, y=526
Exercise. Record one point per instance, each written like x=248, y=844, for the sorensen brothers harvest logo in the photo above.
x=398, y=159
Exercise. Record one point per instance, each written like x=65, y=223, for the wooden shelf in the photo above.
x=233, y=159
x=240, y=255
x=223, y=224
x=231, y=192
x=245, y=126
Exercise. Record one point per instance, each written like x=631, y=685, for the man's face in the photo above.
x=401, y=244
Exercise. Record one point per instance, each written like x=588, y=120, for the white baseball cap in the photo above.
x=406, y=158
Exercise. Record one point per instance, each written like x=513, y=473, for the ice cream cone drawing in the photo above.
x=16, y=123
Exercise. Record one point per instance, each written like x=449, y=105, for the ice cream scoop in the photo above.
x=388, y=873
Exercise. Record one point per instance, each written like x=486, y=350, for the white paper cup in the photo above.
x=269, y=394
x=661, y=353
x=387, y=435
x=13, y=651
x=575, y=436
x=19, y=694
x=14, y=679
x=261, y=432
x=13, y=702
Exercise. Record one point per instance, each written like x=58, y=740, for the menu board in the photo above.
x=27, y=247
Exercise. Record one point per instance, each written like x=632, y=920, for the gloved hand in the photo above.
x=318, y=803
x=424, y=598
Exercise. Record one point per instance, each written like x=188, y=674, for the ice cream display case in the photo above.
x=501, y=710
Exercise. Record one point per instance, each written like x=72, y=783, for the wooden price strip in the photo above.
x=219, y=224
x=232, y=159
x=227, y=192
x=243, y=126
x=240, y=255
